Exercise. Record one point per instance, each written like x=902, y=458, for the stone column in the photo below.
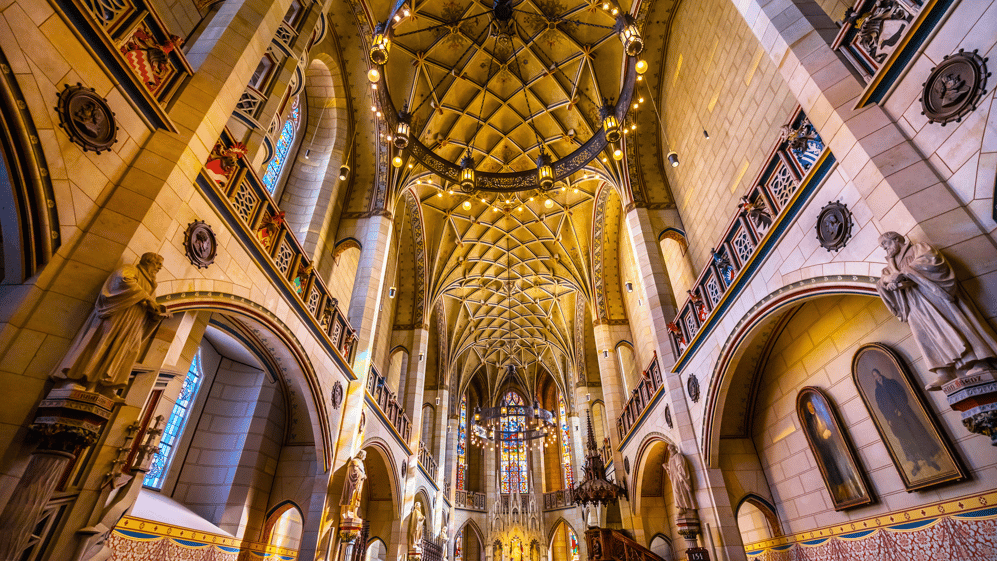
x=615, y=400
x=713, y=500
x=368, y=292
x=449, y=464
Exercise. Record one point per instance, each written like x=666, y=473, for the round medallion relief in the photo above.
x=692, y=386
x=954, y=87
x=86, y=118
x=834, y=226
x=200, y=244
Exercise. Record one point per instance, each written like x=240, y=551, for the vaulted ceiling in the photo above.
x=516, y=279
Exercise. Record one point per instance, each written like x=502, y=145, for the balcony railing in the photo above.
x=427, y=460
x=559, y=499
x=789, y=165
x=241, y=198
x=386, y=399
x=470, y=500
x=640, y=397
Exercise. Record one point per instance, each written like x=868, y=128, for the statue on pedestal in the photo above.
x=416, y=526
x=356, y=475
x=124, y=316
x=678, y=473
x=919, y=287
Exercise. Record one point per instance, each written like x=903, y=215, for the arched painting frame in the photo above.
x=919, y=449
x=832, y=448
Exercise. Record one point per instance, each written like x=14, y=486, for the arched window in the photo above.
x=462, y=445
x=572, y=545
x=458, y=546
x=287, y=134
x=285, y=528
x=174, y=426
x=513, y=447
x=565, y=442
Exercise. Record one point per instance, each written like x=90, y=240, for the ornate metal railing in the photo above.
x=640, y=397
x=559, y=499
x=798, y=149
x=469, y=500
x=250, y=209
x=604, y=544
x=387, y=400
x=130, y=38
x=427, y=460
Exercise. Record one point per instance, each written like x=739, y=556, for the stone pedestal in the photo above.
x=349, y=531
x=689, y=527
x=68, y=420
x=975, y=397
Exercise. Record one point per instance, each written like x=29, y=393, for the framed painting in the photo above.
x=843, y=476
x=919, y=449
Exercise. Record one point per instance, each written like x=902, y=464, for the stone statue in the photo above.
x=919, y=287
x=356, y=475
x=416, y=525
x=124, y=316
x=677, y=469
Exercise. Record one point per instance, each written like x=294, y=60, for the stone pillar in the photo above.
x=367, y=295
x=615, y=400
x=449, y=465
x=712, y=496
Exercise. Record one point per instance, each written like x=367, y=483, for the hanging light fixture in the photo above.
x=545, y=174
x=373, y=75
x=629, y=35
x=467, y=174
x=402, y=130
x=641, y=66
x=380, y=45
x=673, y=159
x=344, y=170
x=610, y=124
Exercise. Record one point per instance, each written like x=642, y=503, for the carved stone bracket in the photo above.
x=349, y=529
x=976, y=398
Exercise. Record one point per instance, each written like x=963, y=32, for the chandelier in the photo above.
x=502, y=25
x=491, y=424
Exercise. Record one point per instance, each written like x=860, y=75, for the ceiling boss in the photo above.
x=509, y=98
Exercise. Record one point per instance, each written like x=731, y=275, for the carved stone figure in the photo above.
x=416, y=526
x=919, y=287
x=124, y=316
x=678, y=473
x=882, y=27
x=356, y=475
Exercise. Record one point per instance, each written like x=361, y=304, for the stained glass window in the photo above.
x=572, y=545
x=280, y=152
x=565, y=442
x=174, y=426
x=514, y=467
x=458, y=546
x=462, y=445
